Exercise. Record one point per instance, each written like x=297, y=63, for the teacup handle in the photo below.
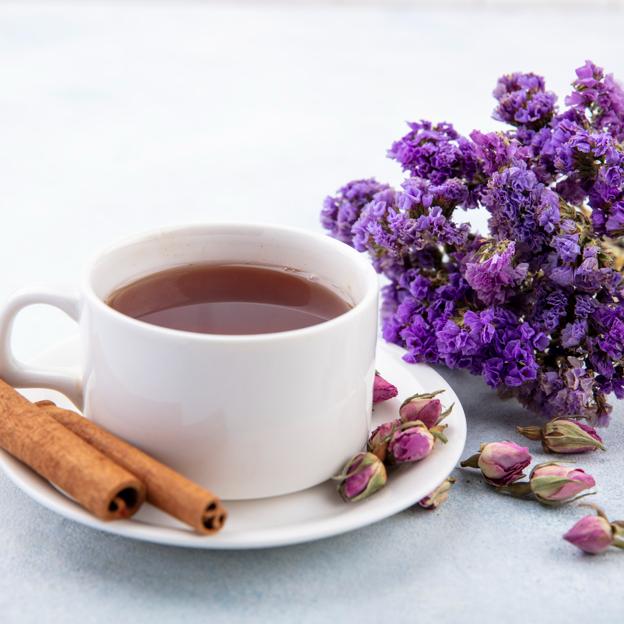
x=23, y=375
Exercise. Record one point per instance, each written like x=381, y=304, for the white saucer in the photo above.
x=304, y=516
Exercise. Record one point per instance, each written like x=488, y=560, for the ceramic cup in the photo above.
x=247, y=416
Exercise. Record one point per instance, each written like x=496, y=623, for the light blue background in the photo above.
x=119, y=118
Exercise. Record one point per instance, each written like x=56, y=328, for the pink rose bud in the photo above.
x=563, y=435
x=501, y=463
x=424, y=407
x=362, y=476
x=411, y=443
x=382, y=389
x=439, y=495
x=592, y=534
x=379, y=438
x=556, y=483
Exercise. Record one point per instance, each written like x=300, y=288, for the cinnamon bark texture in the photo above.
x=96, y=482
x=166, y=489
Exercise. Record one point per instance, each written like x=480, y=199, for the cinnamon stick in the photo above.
x=96, y=482
x=166, y=489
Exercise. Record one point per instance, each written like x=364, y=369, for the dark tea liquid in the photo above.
x=229, y=299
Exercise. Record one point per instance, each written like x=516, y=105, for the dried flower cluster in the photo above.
x=502, y=465
x=537, y=306
x=553, y=484
x=407, y=439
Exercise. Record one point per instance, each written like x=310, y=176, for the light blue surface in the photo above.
x=122, y=118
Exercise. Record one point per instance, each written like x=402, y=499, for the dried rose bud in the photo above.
x=379, y=438
x=501, y=463
x=555, y=483
x=411, y=442
x=439, y=495
x=563, y=435
x=592, y=534
x=424, y=407
x=362, y=476
x=382, y=389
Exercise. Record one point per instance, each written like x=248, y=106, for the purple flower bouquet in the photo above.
x=537, y=306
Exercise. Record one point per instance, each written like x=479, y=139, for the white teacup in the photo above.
x=247, y=416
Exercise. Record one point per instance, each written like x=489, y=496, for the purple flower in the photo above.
x=611, y=342
x=536, y=305
x=493, y=343
x=397, y=228
x=562, y=275
x=420, y=340
x=615, y=221
x=434, y=152
x=493, y=274
x=590, y=275
x=523, y=100
x=584, y=306
x=343, y=210
x=567, y=247
x=578, y=150
x=380, y=231
x=494, y=151
x=522, y=209
x=600, y=98
x=567, y=389
x=573, y=333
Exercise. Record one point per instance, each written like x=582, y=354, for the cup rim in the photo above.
x=360, y=261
